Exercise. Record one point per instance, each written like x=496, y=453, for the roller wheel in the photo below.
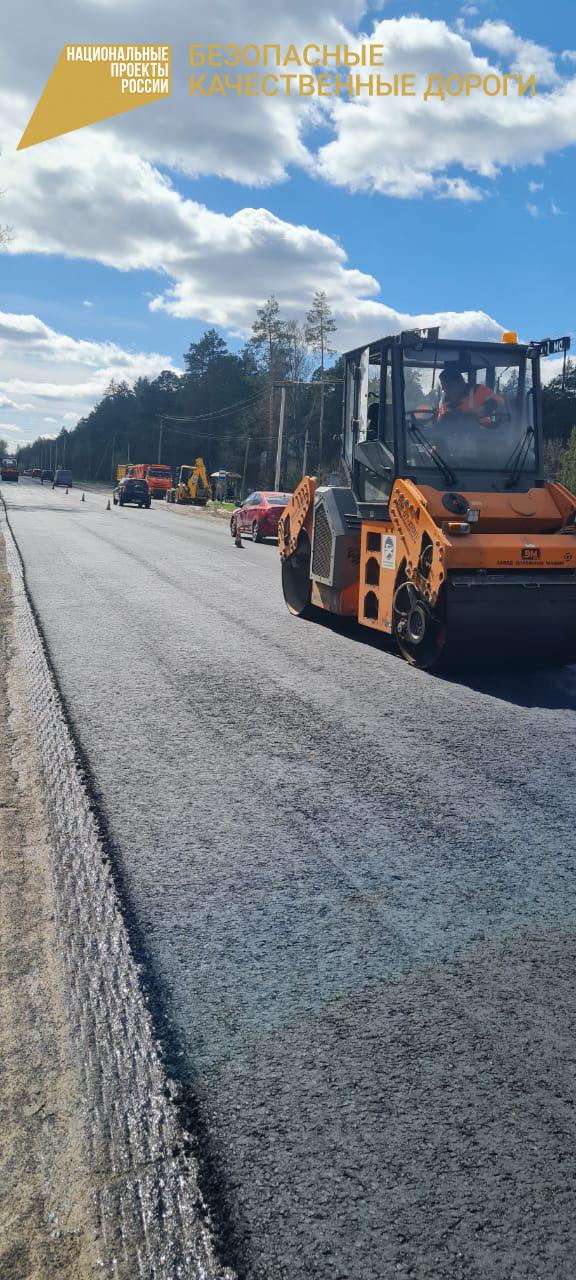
x=418, y=630
x=296, y=583
x=256, y=535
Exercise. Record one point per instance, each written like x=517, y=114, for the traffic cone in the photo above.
x=66, y=489
x=108, y=505
x=238, y=537
x=83, y=497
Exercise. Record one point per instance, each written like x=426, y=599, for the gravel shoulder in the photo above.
x=47, y=1221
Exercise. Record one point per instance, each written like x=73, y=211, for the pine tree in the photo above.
x=568, y=464
x=319, y=327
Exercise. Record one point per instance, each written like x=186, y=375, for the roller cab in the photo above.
x=446, y=535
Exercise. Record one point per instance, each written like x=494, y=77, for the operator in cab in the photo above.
x=458, y=396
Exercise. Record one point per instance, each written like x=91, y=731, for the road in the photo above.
x=354, y=886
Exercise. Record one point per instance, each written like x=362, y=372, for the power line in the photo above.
x=216, y=413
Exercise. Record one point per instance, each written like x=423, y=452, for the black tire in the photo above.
x=419, y=632
x=256, y=535
x=296, y=583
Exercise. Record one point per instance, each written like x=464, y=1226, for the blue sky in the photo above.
x=503, y=247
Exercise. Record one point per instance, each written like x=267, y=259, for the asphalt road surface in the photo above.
x=355, y=887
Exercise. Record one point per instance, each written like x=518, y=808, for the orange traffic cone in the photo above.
x=108, y=505
x=238, y=535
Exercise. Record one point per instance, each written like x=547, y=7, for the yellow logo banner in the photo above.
x=93, y=82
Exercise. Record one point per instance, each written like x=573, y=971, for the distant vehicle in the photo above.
x=46, y=475
x=8, y=469
x=36, y=472
x=159, y=477
x=61, y=478
x=259, y=515
x=130, y=491
x=193, y=486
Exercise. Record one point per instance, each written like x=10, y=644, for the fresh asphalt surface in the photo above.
x=355, y=887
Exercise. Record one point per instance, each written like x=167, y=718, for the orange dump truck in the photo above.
x=159, y=477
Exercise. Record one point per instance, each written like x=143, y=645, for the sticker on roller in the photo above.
x=530, y=553
x=389, y=552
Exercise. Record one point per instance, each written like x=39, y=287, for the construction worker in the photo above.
x=460, y=397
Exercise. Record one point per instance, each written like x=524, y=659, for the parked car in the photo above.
x=130, y=491
x=46, y=474
x=62, y=477
x=259, y=515
x=37, y=472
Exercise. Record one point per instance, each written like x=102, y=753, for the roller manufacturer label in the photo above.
x=389, y=552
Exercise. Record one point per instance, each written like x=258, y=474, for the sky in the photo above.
x=129, y=238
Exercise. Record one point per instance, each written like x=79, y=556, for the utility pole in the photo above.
x=160, y=440
x=112, y=460
x=280, y=438
x=245, y=466
x=305, y=458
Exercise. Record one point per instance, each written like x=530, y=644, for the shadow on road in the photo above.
x=524, y=685
x=549, y=688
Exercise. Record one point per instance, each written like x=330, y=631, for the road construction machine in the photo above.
x=444, y=534
x=157, y=476
x=8, y=469
x=193, y=485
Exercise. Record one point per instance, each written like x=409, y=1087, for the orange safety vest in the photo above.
x=473, y=400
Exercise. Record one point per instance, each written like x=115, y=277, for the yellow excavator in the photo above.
x=193, y=486
x=445, y=534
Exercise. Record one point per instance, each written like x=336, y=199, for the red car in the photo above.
x=259, y=515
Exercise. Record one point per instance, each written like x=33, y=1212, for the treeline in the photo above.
x=225, y=407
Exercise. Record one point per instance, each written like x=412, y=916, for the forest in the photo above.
x=225, y=407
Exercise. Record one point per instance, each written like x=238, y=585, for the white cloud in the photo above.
x=525, y=56
x=240, y=138
x=535, y=186
x=9, y=426
x=533, y=210
x=214, y=267
x=410, y=147
x=86, y=303
x=551, y=368
x=256, y=140
x=555, y=211
x=60, y=378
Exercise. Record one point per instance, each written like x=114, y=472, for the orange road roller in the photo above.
x=444, y=533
